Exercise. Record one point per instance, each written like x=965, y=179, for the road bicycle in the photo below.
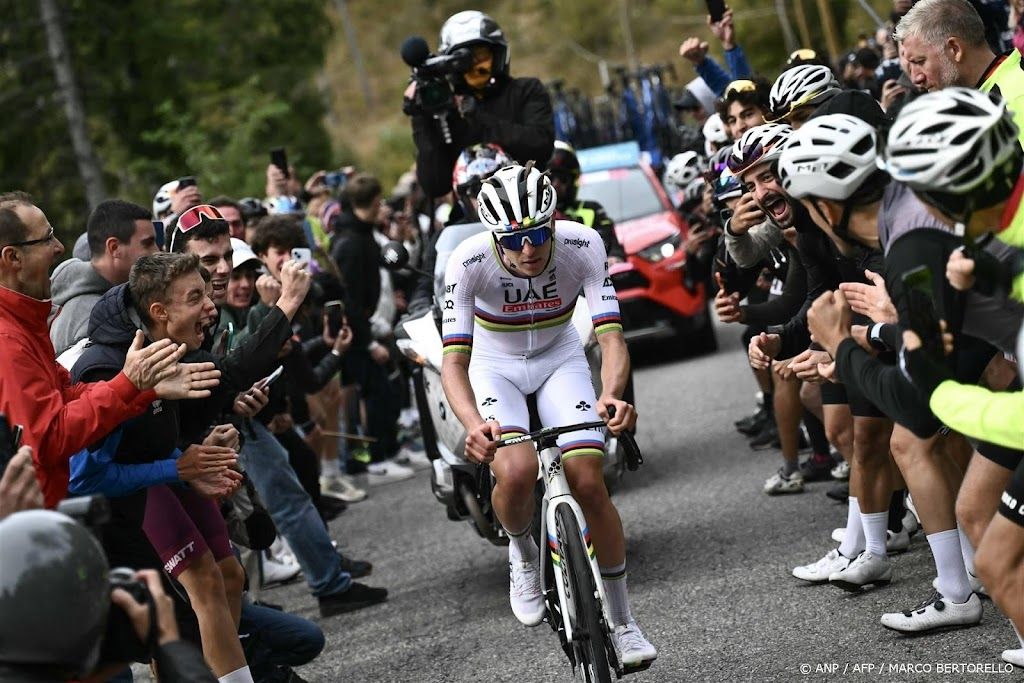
x=570, y=577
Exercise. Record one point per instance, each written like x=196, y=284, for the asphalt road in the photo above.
x=709, y=560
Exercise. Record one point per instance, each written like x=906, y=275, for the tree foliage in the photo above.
x=171, y=88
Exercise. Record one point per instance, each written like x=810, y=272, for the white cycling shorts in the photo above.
x=564, y=390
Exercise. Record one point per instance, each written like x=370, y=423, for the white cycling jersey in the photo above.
x=490, y=308
x=520, y=332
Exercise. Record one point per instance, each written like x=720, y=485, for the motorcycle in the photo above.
x=462, y=486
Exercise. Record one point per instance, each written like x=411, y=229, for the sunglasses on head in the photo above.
x=515, y=241
x=743, y=85
x=193, y=218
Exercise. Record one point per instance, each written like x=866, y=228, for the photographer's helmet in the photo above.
x=251, y=208
x=516, y=198
x=759, y=145
x=952, y=141
x=683, y=169
x=808, y=84
x=54, y=593
x=470, y=28
x=476, y=164
x=162, y=200
x=830, y=157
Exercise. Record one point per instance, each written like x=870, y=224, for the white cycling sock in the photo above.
x=967, y=550
x=853, y=540
x=949, y=563
x=614, y=580
x=875, y=525
x=242, y=675
x=329, y=469
x=521, y=547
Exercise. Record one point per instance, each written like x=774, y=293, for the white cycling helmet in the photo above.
x=715, y=134
x=759, y=145
x=694, y=191
x=162, y=200
x=516, y=198
x=683, y=169
x=829, y=157
x=950, y=140
x=808, y=84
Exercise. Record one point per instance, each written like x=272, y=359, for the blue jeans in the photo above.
x=272, y=638
x=266, y=463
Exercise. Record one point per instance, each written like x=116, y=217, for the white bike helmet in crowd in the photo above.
x=950, y=140
x=809, y=84
x=478, y=161
x=516, y=197
x=759, y=145
x=715, y=134
x=694, y=191
x=162, y=200
x=470, y=27
x=829, y=157
x=683, y=169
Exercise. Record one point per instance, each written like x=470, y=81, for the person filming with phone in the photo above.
x=466, y=96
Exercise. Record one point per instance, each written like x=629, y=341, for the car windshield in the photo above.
x=625, y=193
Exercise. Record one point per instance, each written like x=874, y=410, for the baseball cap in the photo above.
x=243, y=255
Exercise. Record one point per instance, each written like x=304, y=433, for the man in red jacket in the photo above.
x=58, y=419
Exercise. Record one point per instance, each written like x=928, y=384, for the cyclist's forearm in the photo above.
x=614, y=363
x=455, y=381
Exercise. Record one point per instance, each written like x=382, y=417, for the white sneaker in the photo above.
x=841, y=471
x=387, y=471
x=414, y=458
x=341, y=488
x=779, y=483
x=818, y=572
x=275, y=572
x=1015, y=657
x=910, y=524
x=936, y=613
x=633, y=648
x=895, y=543
x=865, y=569
x=524, y=592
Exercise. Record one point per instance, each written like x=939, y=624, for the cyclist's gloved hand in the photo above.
x=617, y=414
x=922, y=365
x=482, y=441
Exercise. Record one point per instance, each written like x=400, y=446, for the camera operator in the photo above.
x=488, y=105
x=55, y=581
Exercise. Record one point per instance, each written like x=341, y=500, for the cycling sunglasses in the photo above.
x=804, y=54
x=742, y=85
x=193, y=218
x=514, y=241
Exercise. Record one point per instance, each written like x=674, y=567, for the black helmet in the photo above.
x=470, y=28
x=251, y=208
x=54, y=593
x=566, y=165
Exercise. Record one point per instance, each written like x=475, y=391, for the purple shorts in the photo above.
x=181, y=526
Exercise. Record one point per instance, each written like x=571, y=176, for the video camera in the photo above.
x=434, y=95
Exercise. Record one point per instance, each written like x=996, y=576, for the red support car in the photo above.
x=653, y=298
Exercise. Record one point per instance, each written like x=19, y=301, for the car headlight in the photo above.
x=661, y=250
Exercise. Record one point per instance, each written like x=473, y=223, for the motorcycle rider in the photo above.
x=490, y=105
x=494, y=356
x=564, y=173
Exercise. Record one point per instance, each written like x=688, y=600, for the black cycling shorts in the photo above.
x=1011, y=505
x=840, y=394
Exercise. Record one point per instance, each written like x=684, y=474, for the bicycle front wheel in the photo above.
x=583, y=608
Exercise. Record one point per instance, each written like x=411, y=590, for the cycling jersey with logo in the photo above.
x=490, y=307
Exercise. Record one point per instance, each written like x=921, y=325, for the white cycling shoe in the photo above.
x=818, y=572
x=633, y=648
x=936, y=613
x=524, y=592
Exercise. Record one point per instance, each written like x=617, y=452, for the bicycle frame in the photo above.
x=556, y=492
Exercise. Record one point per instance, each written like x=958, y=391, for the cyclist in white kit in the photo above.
x=507, y=327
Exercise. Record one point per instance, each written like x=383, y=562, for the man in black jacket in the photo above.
x=490, y=106
x=357, y=254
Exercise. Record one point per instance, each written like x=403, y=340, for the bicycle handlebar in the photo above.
x=633, y=457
